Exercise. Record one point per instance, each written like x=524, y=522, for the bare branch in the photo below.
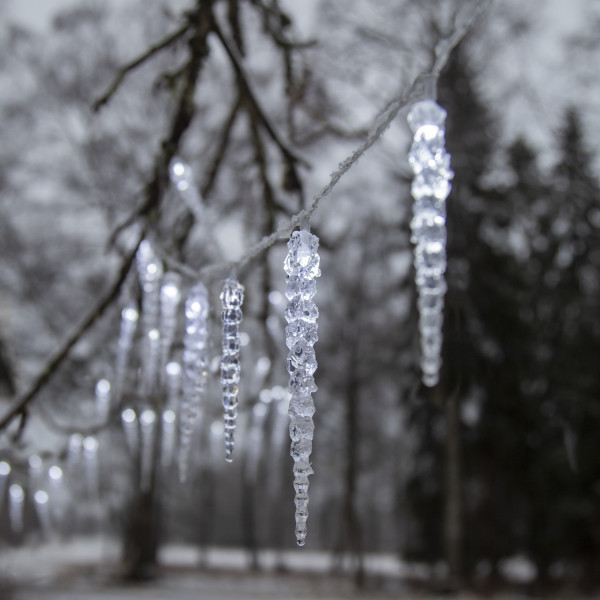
x=249, y=95
x=221, y=149
x=126, y=69
x=61, y=354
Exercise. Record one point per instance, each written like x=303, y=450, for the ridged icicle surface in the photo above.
x=430, y=187
x=232, y=298
x=195, y=370
x=302, y=267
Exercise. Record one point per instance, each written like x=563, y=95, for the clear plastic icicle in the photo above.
x=232, y=298
x=430, y=187
x=170, y=297
x=195, y=371
x=302, y=267
x=16, y=503
x=150, y=272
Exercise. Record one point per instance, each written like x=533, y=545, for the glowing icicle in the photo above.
x=173, y=385
x=430, y=187
x=5, y=470
x=254, y=442
x=148, y=435
x=16, y=502
x=151, y=362
x=302, y=267
x=182, y=178
x=74, y=453
x=35, y=466
x=129, y=320
x=41, y=508
x=232, y=298
x=130, y=428
x=170, y=297
x=103, y=399
x=167, y=449
x=150, y=272
x=90, y=457
x=195, y=371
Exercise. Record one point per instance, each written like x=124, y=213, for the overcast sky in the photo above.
x=533, y=75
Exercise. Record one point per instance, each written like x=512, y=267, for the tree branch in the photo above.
x=288, y=154
x=61, y=354
x=126, y=69
x=221, y=149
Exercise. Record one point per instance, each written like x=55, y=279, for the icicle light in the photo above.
x=430, y=187
x=302, y=267
x=232, y=298
x=195, y=371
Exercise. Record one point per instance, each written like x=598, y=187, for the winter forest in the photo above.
x=167, y=172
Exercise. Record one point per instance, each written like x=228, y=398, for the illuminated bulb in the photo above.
x=55, y=473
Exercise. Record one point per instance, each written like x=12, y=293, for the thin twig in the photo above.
x=63, y=351
x=221, y=149
x=250, y=96
x=126, y=69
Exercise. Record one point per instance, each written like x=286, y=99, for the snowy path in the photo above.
x=80, y=570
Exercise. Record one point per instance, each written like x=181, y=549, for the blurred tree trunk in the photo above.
x=142, y=531
x=453, y=526
x=141, y=537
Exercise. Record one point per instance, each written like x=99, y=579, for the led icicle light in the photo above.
x=232, y=298
x=302, y=267
x=430, y=187
x=195, y=371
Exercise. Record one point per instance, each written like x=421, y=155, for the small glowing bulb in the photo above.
x=169, y=416
x=103, y=387
x=265, y=396
x=4, y=468
x=259, y=409
x=41, y=497
x=275, y=297
x=35, y=462
x=55, y=472
x=263, y=364
x=128, y=416
x=130, y=313
x=183, y=185
x=75, y=442
x=244, y=339
x=90, y=444
x=173, y=369
x=217, y=428
x=178, y=169
x=154, y=335
x=16, y=492
x=148, y=417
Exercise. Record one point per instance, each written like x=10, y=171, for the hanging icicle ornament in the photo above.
x=302, y=267
x=170, y=297
x=195, y=371
x=232, y=298
x=430, y=187
x=129, y=320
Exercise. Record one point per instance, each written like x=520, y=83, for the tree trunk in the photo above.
x=453, y=526
x=141, y=537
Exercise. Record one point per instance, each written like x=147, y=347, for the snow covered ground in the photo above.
x=80, y=569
